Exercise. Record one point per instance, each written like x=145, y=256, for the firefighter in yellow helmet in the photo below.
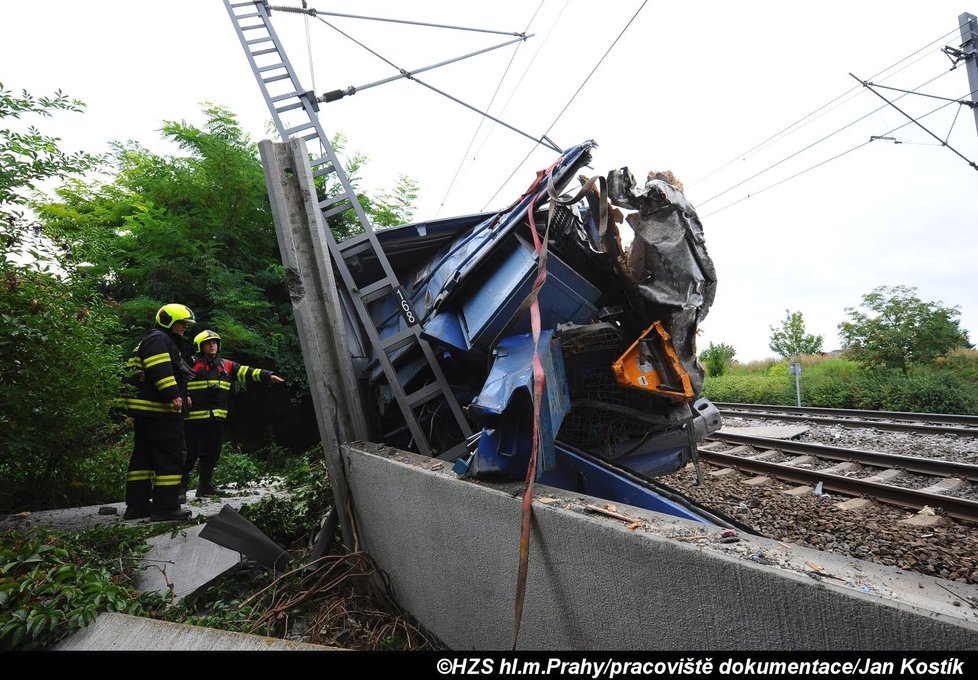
x=157, y=407
x=210, y=389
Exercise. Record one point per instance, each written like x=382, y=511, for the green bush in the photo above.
x=834, y=383
x=235, y=467
x=52, y=584
x=716, y=358
x=58, y=374
x=962, y=363
x=951, y=387
x=287, y=520
x=752, y=367
x=750, y=389
x=925, y=391
x=100, y=477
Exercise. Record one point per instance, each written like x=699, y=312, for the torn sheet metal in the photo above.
x=613, y=319
x=668, y=259
x=504, y=408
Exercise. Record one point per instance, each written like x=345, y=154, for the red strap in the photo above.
x=539, y=377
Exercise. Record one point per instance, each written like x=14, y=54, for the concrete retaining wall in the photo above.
x=450, y=548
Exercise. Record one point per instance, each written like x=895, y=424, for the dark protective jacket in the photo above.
x=159, y=374
x=210, y=386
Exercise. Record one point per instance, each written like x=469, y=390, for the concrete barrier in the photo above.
x=450, y=547
x=114, y=632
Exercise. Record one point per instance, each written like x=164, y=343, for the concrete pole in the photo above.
x=969, y=45
x=301, y=232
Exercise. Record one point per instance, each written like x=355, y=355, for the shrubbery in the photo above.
x=749, y=389
x=52, y=584
x=291, y=519
x=949, y=387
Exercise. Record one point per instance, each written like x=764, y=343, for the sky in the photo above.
x=751, y=105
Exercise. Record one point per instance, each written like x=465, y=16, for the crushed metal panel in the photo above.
x=505, y=407
x=668, y=258
x=624, y=321
x=231, y=530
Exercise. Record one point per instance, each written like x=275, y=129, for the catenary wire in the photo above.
x=516, y=87
x=482, y=120
x=313, y=12
x=431, y=87
x=916, y=122
x=818, y=141
x=818, y=111
x=573, y=97
x=820, y=163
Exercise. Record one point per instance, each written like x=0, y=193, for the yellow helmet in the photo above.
x=204, y=336
x=173, y=312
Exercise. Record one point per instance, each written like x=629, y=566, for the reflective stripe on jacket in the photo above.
x=159, y=374
x=210, y=387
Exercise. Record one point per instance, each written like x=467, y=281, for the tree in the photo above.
x=28, y=157
x=193, y=227
x=898, y=329
x=717, y=357
x=59, y=362
x=397, y=206
x=196, y=228
x=790, y=340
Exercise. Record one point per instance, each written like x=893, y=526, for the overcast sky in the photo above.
x=699, y=88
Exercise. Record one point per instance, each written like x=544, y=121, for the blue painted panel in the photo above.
x=467, y=253
x=498, y=290
x=505, y=407
x=579, y=475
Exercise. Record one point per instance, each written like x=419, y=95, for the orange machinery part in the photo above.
x=651, y=365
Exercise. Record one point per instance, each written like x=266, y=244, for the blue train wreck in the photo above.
x=614, y=341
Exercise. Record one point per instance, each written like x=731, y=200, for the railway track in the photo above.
x=805, y=463
x=893, y=421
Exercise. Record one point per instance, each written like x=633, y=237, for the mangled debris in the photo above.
x=617, y=328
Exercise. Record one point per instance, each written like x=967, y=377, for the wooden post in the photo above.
x=302, y=240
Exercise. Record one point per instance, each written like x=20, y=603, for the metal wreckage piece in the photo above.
x=617, y=342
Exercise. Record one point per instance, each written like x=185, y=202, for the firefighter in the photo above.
x=210, y=389
x=160, y=378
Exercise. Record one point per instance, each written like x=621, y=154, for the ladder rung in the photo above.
x=270, y=68
x=320, y=161
x=399, y=339
x=239, y=17
x=242, y=4
x=375, y=291
x=426, y=393
x=354, y=245
x=333, y=200
x=280, y=97
x=328, y=170
x=267, y=38
x=253, y=27
x=274, y=78
x=342, y=208
x=309, y=138
x=298, y=128
x=356, y=249
x=289, y=107
x=261, y=52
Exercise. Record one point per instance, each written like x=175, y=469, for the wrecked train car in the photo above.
x=616, y=329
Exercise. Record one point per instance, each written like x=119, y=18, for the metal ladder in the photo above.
x=294, y=111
